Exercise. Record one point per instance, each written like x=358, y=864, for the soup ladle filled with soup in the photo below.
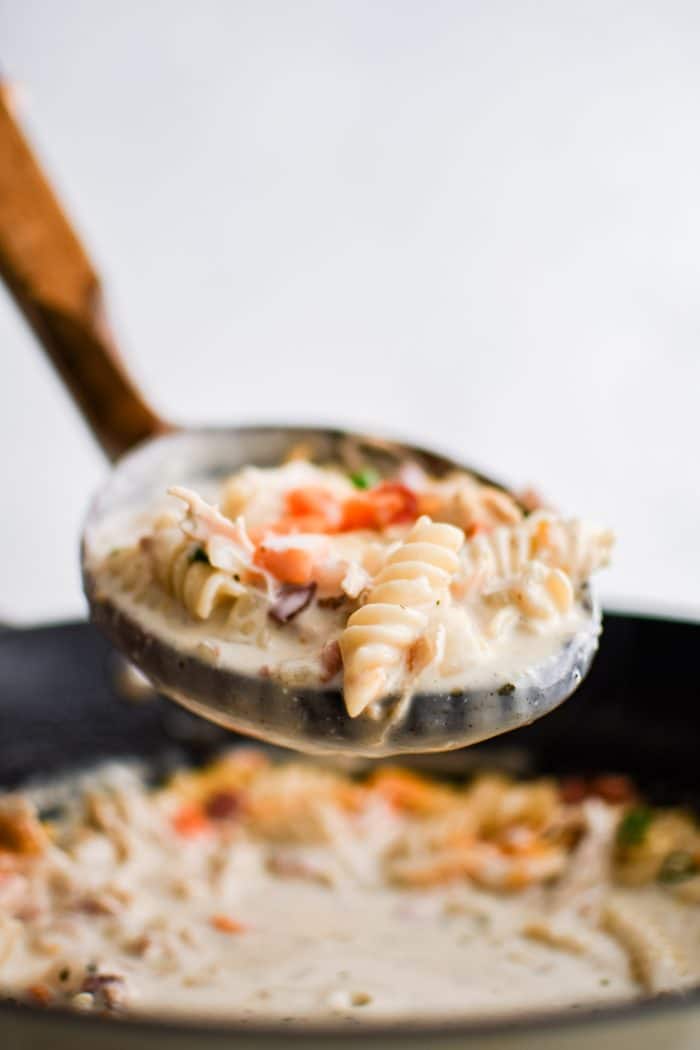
x=321, y=589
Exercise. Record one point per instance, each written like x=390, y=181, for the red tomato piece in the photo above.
x=393, y=503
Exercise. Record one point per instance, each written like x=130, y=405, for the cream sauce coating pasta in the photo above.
x=404, y=584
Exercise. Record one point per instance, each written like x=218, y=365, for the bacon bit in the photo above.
x=223, y=805
x=41, y=994
x=613, y=788
x=573, y=790
x=225, y=924
x=190, y=820
x=331, y=660
x=610, y=787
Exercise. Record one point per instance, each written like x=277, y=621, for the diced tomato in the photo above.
x=394, y=503
x=291, y=565
x=190, y=820
x=314, y=509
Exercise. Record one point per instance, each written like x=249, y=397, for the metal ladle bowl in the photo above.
x=54, y=284
x=308, y=719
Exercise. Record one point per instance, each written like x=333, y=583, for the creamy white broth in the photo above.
x=296, y=913
x=291, y=653
x=508, y=605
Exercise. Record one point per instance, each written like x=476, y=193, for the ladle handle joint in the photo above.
x=51, y=279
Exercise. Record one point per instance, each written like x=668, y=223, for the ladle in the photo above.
x=54, y=284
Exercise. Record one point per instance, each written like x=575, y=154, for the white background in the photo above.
x=473, y=223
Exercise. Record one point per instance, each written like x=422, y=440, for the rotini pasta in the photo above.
x=183, y=569
x=415, y=577
x=464, y=502
x=575, y=547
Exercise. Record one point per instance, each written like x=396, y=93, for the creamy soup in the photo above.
x=253, y=890
x=381, y=587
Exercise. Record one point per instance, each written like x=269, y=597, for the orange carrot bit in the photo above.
x=317, y=503
x=40, y=993
x=358, y=513
x=476, y=528
x=190, y=820
x=410, y=792
x=225, y=924
x=388, y=503
x=292, y=565
x=429, y=503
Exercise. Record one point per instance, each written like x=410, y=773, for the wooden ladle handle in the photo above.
x=55, y=286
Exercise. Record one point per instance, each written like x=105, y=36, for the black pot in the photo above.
x=638, y=713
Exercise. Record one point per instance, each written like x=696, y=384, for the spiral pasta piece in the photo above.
x=657, y=959
x=190, y=580
x=379, y=634
x=576, y=548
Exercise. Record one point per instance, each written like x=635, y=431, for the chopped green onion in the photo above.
x=365, y=479
x=199, y=555
x=634, y=825
x=677, y=867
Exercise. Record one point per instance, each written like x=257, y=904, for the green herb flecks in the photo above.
x=365, y=479
x=677, y=867
x=634, y=825
x=199, y=555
